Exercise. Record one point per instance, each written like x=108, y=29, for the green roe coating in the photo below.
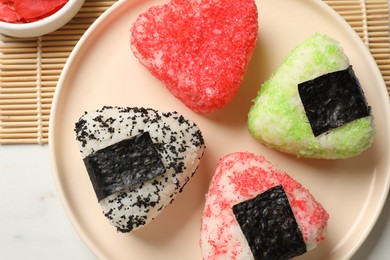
x=277, y=117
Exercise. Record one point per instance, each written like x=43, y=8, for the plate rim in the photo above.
x=89, y=33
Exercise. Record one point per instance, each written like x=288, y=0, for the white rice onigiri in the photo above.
x=179, y=144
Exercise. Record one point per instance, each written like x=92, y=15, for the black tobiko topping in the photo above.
x=333, y=100
x=269, y=225
x=124, y=164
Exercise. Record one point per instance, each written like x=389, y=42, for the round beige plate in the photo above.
x=103, y=71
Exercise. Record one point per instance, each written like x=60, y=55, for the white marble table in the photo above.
x=34, y=225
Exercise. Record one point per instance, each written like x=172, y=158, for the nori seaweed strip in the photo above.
x=123, y=164
x=269, y=225
x=333, y=100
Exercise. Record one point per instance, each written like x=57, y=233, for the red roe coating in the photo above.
x=242, y=176
x=24, y=11
x=199, y=49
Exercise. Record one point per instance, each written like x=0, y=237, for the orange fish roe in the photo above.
x=242, y=176
x=199, y=49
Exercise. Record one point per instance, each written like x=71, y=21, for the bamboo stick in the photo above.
x=59, y=43
x=21, y=130
x=19, y=124
x=18, y=101
x=60, y=38
x=19, y=61
x=57, y=49
x=351, y=13
x=24, y=112
x=94, y=9
x=51, y=72
x=48, y=83
x=17, y=50
x=46, y=101
x=23, y=141
x=14, y=45
x=25, y=67
x=18, y=96
x=5, y=38
x=378, y=22
x=339, y=8
x=349, y=18
x=54, y=60
x=68, y=32
x=379, y=39
x=98, y=3
x=69, y=26
x=21, y=135
x=82, y=14
x=18, y=56
x=383, y=28
x=341, y=2
x=18, y=79
x=55, y=55
x=356, y=23
x=52, y=66
x=23, y=118
x=25, y=94
x=18, y=67
x=23, y=106
x=28, y=78
x=380, y=50
x=385, y=67
x=381, y=56
x=377, y=16
x=6, y=73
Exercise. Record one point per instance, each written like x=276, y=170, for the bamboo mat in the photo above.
x=30, y=68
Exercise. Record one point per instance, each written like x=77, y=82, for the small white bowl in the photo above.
x=45, y=25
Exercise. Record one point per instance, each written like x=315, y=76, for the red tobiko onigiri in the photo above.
x=200, y=50
x=255, y=211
